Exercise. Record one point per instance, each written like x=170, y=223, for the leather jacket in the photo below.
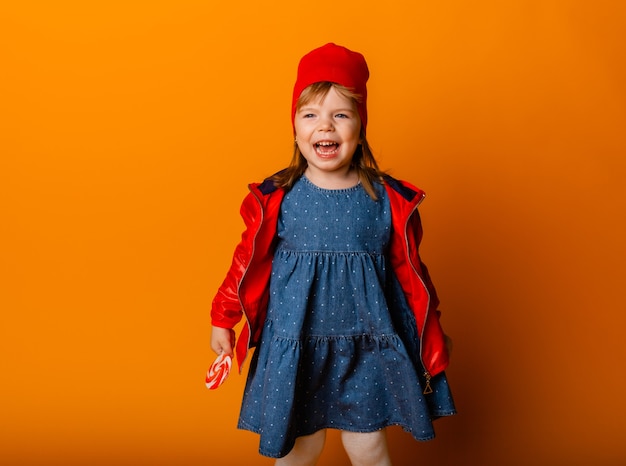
x=245, y=290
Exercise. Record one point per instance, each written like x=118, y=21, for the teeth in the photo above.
x=326, y=143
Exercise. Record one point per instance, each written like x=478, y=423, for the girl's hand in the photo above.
x=222, y=340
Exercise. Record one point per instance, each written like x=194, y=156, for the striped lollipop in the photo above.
x=218, y=371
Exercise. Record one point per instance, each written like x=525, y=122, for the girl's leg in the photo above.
x=305, y=452
x=366, y=449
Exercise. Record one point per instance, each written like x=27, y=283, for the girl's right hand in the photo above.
x=222, y=340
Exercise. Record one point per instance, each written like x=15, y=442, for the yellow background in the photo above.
x=129, y=133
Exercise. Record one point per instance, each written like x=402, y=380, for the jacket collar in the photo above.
x=405, y=190
x=267, y=187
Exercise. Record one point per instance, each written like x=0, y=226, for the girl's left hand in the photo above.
x=222, y=340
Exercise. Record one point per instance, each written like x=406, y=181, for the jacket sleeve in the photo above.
x=434, y=352
x=226, y=310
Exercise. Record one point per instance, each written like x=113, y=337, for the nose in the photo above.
x=326, y=124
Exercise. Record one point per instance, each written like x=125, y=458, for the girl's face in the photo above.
x=328, y=134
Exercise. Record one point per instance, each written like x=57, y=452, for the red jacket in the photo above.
x=245, y=290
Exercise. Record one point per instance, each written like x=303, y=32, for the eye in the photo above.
x=342, y=115
x=308, y=115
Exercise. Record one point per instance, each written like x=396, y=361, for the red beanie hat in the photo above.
x=336, y=64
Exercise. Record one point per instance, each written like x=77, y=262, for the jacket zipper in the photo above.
x=427, y=389
x=243, y=276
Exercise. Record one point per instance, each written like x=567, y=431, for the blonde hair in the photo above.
x=363, y=160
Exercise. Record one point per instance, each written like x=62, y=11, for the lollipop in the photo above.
x=218, y=371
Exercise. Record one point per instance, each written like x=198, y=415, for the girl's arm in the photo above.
x=226, y=309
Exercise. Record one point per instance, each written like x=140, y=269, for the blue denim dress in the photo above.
x=339, y=347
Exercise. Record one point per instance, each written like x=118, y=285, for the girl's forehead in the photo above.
x=332, y=97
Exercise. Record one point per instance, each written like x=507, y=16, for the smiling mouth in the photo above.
x=326, y=148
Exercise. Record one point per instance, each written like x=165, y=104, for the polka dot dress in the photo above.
x=337, y=349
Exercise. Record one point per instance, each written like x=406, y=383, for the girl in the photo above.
x=328, y=276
